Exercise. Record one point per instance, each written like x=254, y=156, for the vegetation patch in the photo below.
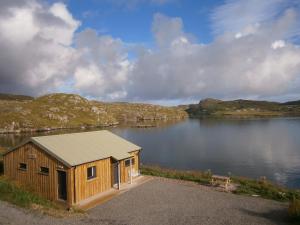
x=245, y=186
x=242, y=109
x=60, y=111
x=196, y=176
x=265, y=189
x=18, y=195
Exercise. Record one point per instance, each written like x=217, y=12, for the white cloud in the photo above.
x=39, y=53
x=103, y=68
x=175, y=34
x=42, y=52
x=19, y=27
x=278, y=44
x=35, y=50
x=235, y=15
x=87, y=77
x=61, y=34
x=229, y=67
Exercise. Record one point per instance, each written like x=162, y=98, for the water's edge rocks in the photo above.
x=68, y=111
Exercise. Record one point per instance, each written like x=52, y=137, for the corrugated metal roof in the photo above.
x=78, y=148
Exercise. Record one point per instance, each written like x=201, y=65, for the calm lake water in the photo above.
x=252, y=148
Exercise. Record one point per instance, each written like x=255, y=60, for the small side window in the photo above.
x=23, y=166
x=133, y=161
x=127, y=162
x=91, y=172
x=44, y=170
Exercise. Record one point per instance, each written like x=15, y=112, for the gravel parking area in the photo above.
x=163, y=201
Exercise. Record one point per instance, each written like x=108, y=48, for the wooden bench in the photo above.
x=216, y=179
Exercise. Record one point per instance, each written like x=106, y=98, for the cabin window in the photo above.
x=91, y=172
x=44, y=170
x=133, y=161
x=127, y=162
x=23, y=166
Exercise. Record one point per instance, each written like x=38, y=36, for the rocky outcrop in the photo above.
x=242, y=108
x=59, y=111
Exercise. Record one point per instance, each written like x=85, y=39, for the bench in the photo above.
x=216, y=179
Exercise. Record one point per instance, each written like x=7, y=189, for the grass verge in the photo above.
x=265, y=189
x=11, y=191
x=18, y=195
x=196, y=176
x=246, y=186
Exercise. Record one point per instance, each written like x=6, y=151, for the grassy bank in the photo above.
x=196, y=176
x=16, y=194
x=246, y=186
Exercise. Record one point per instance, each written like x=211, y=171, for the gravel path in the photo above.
x=163, y=201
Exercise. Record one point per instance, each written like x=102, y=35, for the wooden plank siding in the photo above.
x=86, y=188
x=125, y=170
x=136, y=156
x=78, y=186
x=34, y=157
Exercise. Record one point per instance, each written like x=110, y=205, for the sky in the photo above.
x=157, y=51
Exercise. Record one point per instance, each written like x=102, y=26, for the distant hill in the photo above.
x=15, y=97
x=242, y=108
x=55, y=111
x=292, y=103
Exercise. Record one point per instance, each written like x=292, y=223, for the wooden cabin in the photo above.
x=73, y=167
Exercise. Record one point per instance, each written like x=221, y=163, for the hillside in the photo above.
x=57, y=111
x=242, y=108
x=11, y=97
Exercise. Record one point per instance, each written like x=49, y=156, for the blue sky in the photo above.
x=132, y=23
x=158, y=51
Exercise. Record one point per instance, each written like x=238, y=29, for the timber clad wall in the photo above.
x=86, y=188
x=47, y=185
x=135, y=155
x=34, y=157
x=125, y=169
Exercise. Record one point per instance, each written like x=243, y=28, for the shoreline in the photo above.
x=141, y=124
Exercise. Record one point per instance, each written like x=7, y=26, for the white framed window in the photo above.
x=91, y=172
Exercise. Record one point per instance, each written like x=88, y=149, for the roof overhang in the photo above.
x=30, y=140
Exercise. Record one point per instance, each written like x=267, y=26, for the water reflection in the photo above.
x=260, y=147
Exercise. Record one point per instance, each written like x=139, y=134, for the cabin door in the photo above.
x=62, y=185
x=115, y=174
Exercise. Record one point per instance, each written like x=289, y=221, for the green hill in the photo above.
x=55, y=111
x=242, y=108
x=11, y=97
